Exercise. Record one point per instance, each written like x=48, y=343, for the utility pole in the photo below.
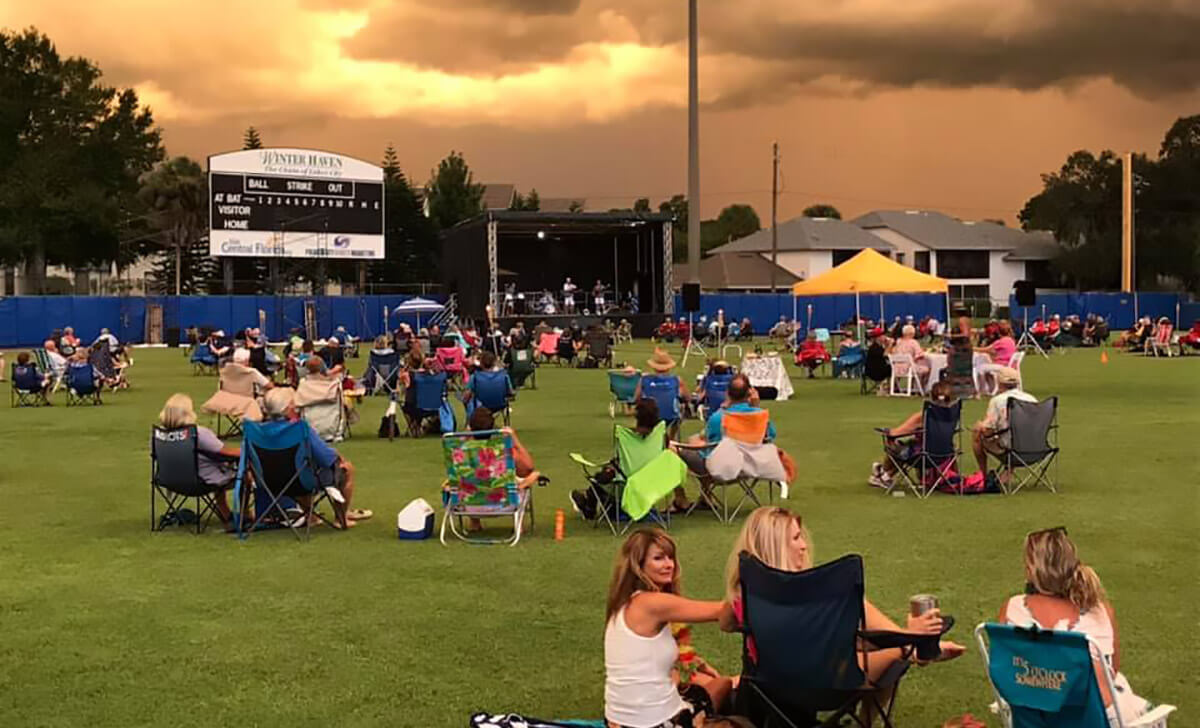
x=1127, y=278
x=774, y=210
x=693, y=227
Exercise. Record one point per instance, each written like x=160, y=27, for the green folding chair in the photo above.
x=646, y=473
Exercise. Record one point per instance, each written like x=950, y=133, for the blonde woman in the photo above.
x=777, y=537
x=640, y=652
x=215, y=458
x=1063, y=593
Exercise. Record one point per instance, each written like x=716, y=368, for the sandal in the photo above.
x=359, y=514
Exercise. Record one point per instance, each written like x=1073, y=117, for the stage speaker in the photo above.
x=1026, y=293
x=691, y=297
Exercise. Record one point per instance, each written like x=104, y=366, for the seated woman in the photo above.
x=1000, y=351
x=909, y=346
x=216, y=462
x=1063, y=593
x=1192, y=337
x=942, y=393
x=777, y=537
x=641, y=682
x=811, y=354
x=850, y=355
x=26, y=376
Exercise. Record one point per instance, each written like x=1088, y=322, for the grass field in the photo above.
x=104, y=624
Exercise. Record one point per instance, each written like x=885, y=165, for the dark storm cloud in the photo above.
x=1148, y=46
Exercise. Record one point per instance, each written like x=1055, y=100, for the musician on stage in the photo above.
x=569, y=288
x=598, y=297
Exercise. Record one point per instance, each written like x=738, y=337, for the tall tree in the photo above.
x=251, y=139
x=822, y=210
x=71, y=152
x=391, y=165
x=575, y=206
x=452, y=192
x=410, y=239
x=642, y=206
x=175, y=196
x=738, y=221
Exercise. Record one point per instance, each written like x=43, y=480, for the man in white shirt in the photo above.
x=988, y=435
x=109, y=340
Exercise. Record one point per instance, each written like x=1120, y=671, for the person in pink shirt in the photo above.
x=1001, y=352
x=909, y=345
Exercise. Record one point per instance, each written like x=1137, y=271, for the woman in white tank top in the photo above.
x=639, y=650
x=1065, y=594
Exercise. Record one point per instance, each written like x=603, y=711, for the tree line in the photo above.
x=86, y=181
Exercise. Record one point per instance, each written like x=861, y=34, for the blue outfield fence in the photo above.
x=1119, y=309
x=828, y=312
x=28, y=320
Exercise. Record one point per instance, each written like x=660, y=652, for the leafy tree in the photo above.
x=642, y=206
x=410, y=238
x=531, y=202
x=391, y=165
x=175, y=196
x=71, y=152
x=575, y=206
x=822, y=210
x=738, y=221
x=452, y=192
x=251, y=139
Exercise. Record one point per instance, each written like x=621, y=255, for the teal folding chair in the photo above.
x=623, y=386
x=1047, y=679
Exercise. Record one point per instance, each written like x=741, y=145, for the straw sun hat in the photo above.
x=661, y=361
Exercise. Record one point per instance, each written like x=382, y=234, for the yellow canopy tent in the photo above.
x=871, y=272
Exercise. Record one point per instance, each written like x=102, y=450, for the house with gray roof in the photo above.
x=808, y=246
x=980, y=259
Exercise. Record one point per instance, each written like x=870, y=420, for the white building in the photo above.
x=809, y=246
x=980, y=259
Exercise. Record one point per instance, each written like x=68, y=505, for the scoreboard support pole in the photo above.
x=227, y=271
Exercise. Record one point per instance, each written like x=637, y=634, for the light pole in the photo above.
x=693, y=195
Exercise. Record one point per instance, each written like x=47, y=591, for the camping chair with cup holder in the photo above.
x=744, y=461
x=1032, y=444
x=203, y=360
x=929, y=458
x=522, y=369
x=175, y=480
x=28, y=387
x=630, y=487
x=280, y=460
x=825, y=683
x=382, y=373
x=83, y=384
x=623, y=386
x=429, y=394
x=494, y=390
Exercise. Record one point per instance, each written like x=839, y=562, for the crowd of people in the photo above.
x=654, y=678
x=64, y=361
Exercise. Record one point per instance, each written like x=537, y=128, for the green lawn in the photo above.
x=106, y=624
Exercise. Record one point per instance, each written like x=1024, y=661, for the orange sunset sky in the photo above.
x=955, y=105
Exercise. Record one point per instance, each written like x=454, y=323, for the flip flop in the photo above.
x=359, y=514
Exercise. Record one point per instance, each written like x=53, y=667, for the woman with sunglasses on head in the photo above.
x=1063, y=593
x=641, y=655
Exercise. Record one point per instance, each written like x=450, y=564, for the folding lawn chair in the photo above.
x=1033, y=443
x=1047, y=679
x=1160, y=343
x=564, y=354
x=280, y=459
x=43, y=363
x=716, y=388
x=382, y=373
x=664, y=390
x=851, y=362
x=429, y=396
x=521, y=368
x=623, y=386
x=83, y=384
x=493, y=390
x=203, y=360
x=805, y=635
x=599, y=344
x=643, y=477
x=28, y=387
x=235, y=400
x=323, y=407
x=482, y=483
x=932, y=456
x=754, y=465
x=453, y=363
x=175, y=479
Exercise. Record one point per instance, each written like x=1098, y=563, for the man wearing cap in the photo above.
x=664, y=387
x=332, y=354
x=988, y=435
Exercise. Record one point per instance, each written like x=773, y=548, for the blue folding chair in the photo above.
x=623, y=386
x=664, y=390
x=822, y=610
x=430, y=395
x=203, y=360
x=382, y=373
x=279, y=457
x=1047, y=679
x=83, y=385
x=493, y=390
x=28, y=387
x=850, y=361
x=175, y=479
x=716, y=388
x=932, y=457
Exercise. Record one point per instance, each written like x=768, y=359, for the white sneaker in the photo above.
x=876, y=469
x=335, y=495
x=880, y=481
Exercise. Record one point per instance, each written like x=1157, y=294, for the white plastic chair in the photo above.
x=1015, y=364
x=911, y=380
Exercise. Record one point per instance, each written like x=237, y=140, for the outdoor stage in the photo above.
x=644, y=324
x=538, y=251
